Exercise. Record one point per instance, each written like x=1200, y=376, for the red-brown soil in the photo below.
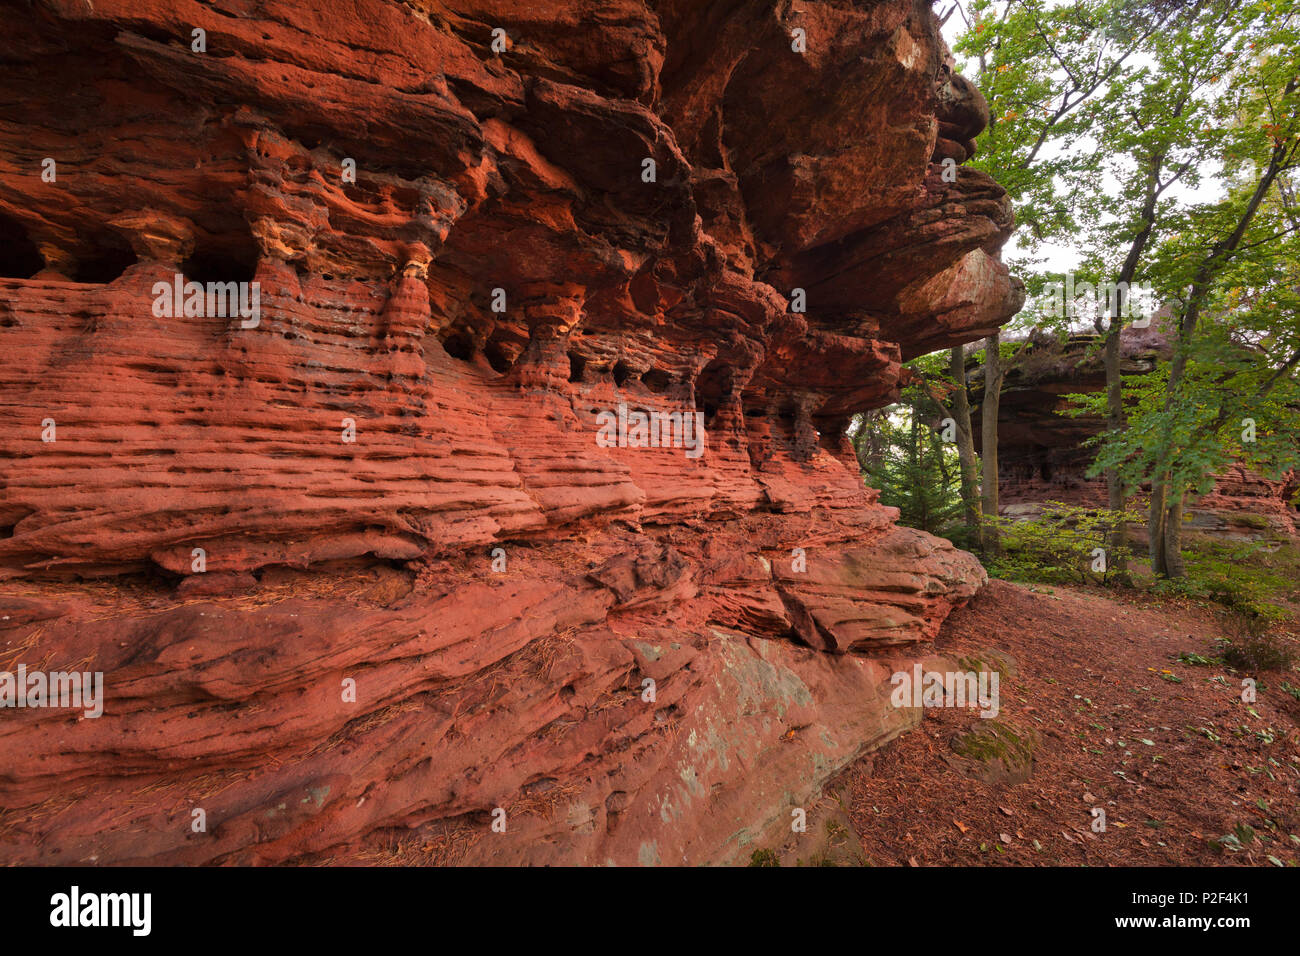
x=1121, y=724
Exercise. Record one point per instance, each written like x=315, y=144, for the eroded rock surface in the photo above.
x=437, y=347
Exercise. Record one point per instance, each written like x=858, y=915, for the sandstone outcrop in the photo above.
x=357, y=569
x=1042, y=455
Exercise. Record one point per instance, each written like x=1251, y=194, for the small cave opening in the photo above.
x=1045, y=471
x=497, y=357
x=108, y=256
x=459, y=346
x=712, y=388
x=657, y=380
x=222, y=262
x=577, y=366
x=622, y=372
x=19, y=257
x=830, y=432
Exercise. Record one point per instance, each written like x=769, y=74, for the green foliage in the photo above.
x=916, y=472
x=1237, y=576
x=1242, y=836
x=1227, y=266
x=908, y=453
x=1189, y=112
x=1063, y=544
x=1042, y=67
x=1222, y=417
x=764, y=858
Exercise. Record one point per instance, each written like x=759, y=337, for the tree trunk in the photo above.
x=1165, y=526
x=859, y=440
x=1115, y=421
x=866, y=441
x=913, y=457
x=965, y=446
x=1115, y=418
x=1156, y=528
x=989, y=443
x=1174, y=537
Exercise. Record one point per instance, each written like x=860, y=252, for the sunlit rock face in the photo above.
x=374, y=542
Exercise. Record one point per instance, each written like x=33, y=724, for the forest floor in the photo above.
x=1096, y=691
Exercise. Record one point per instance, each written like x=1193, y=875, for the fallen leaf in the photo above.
x=1004, y=837
x=963, y=828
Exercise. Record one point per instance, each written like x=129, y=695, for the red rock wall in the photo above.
x=484, y=678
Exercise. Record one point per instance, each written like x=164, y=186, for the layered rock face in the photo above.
x=1042, y=456
x=379, y=566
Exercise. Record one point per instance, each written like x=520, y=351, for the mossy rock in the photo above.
x=990, y=659
x=830, y=839
x=1004, y=753
x=1259, y=522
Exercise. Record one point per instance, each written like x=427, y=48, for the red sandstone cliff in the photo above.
x=484, y=679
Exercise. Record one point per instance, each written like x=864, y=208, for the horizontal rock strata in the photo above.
x=410, y=475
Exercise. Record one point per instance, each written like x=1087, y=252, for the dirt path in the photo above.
x=1167, y=749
